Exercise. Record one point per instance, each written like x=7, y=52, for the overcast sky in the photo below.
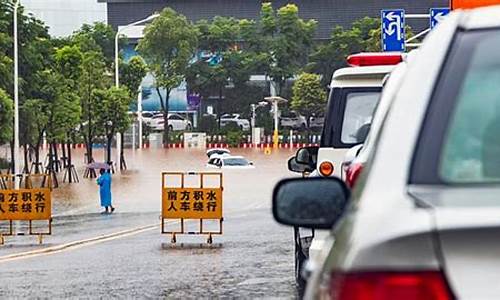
x=65, y=16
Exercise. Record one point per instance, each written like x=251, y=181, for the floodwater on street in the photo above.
x=253, y=258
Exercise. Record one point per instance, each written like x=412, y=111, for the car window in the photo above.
x=174, y=117
x=471, y=152
x=358, y=115
x=235, y=162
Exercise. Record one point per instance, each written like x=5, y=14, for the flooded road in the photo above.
x=254, y=257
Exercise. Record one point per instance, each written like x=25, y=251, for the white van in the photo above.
x=354, y=94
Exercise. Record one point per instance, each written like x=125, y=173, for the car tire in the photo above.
x=170, y=128
x=188, y=127
x=300, y=260
x=241, y=127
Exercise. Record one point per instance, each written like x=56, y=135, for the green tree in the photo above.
x=34, y=55
x=93, y=78
x=309, y=96
x=131, y=75
x=68, y=63
x=228, y=67
x=99, y=37
x=281, y=41
x=34, y=121
x=6, y=116
x=169, y=44
x=112, y=106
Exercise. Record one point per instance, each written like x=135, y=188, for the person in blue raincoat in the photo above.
x=104, y=182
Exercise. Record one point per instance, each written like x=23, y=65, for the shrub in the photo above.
x=208, y=124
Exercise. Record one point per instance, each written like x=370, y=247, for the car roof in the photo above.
x=360, y=76
x=484, y=17
x=233, y=156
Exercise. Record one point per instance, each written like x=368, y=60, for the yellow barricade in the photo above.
x=191, y=203
x=26, y=204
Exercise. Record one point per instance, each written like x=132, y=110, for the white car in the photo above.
x=293, y=120
x=225, y=161
x=225, y=119
x=147, y=117
x=355, y=93
x=218, y=151
x=422, y=222
x=175, y=123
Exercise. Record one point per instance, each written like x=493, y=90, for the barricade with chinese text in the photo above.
x=32, y=202
x=183, y=201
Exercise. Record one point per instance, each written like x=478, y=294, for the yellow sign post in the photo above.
x=28, y=204
x=191, y=203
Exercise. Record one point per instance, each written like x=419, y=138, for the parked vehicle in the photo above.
x=175, y=123
x=316, y=122
x=244, y=124
x=429, y=230
x=355, y=92
x=147, y=117
x=293, y=120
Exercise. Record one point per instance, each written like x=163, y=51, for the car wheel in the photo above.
x=170, y=128
x=303, y=126
x=188, y=127
x=241, y=127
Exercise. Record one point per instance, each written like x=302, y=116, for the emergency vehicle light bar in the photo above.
x=374, y=59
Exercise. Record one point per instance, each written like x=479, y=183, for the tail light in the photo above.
x=326, y=168
x=420, y=285
x=353, y=173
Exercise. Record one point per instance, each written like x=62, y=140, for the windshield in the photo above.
x=349, y=115
x=358, y=116
x=236, y=162
x=471, y=152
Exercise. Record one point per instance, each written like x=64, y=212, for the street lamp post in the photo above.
x=117, y=84
x=16, y=101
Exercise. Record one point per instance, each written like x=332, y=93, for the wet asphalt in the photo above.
x=252, y=259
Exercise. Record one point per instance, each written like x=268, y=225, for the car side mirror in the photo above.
x=293, y=166
x=307, y=156
x=316, y=203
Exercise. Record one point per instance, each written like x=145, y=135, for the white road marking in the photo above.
x=78, y=244
x=96, y=240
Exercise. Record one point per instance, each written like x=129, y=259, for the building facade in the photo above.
x=328, y=13
x=63, y=17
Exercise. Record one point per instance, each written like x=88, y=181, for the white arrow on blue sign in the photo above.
x=437, y=15
x=393, y=30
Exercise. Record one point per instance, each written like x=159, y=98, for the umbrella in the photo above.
x=99, y=165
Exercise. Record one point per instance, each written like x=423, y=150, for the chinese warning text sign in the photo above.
x=192, y=203
x=23, y=204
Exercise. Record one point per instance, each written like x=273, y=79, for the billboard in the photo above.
x=150, y=98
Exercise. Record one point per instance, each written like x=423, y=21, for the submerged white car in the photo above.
x=229, y=162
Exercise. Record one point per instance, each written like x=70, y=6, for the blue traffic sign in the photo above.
x=437, y=15
x=393, y=30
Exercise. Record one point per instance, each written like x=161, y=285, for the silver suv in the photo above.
x=424, y=218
